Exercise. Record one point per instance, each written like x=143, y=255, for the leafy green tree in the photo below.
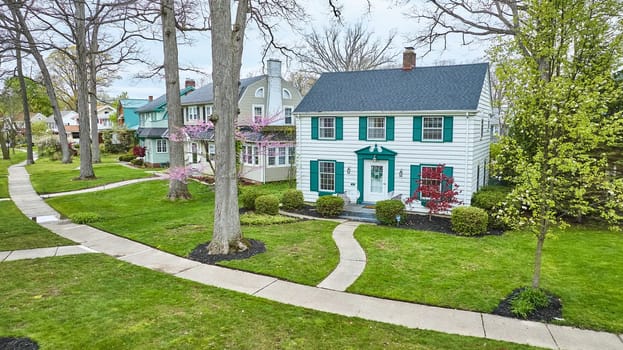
x=559, y=80
x=39, y=128
x=38, y=99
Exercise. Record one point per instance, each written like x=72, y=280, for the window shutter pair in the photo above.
x=389, y=128
x=448, y=126
x=339, y=128
x=314, y=178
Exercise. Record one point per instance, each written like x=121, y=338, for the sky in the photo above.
x=383, y=18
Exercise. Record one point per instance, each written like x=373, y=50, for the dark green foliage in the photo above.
x=84, y=217
x=469, y=221
x=292, y=199
x=387, y=210
x=249, y=194
x=137, y=162
x=127, y=157
x=118, y=140
x=489, y=198
x=529, y=300
x=329, y=206
x=267, y=204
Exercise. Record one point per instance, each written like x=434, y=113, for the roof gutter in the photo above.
x=384, y=113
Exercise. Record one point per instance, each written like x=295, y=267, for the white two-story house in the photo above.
x=367, y=135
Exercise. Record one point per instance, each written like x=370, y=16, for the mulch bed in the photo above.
x=546, y=314
x=12, y=343
x=200, y=253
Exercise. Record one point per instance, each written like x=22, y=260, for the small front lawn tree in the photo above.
x=437, y=189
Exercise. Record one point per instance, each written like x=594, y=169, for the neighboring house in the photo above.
x=126, y=112
x=38, y=117
x=153, y=126
x=69, y=118
x=367, y=135
x=267, y=155
x=103, y=118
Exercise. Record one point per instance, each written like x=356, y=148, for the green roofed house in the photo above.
x=126, y=112
x=367, y=135
x=153, y=126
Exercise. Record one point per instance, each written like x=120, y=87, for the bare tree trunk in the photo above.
x=86, y=165
x=227, y=43
x=536, y=276
x=93, y=49
x=177, y=187
x=22, y=84
x=3, y=146
x=47, y=80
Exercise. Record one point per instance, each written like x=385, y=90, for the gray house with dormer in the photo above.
x=367, y=135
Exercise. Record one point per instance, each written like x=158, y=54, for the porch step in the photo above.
x=365, y=215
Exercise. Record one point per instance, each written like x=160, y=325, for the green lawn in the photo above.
x=19, y=232
x=582, y=266
x=301, y=252
x=16, y=157
x=53, y=176
x=96, y=302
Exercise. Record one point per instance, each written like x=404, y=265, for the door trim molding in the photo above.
x=381, y=153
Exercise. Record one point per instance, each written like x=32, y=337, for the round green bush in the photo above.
x=329, y=206
x=267, y=204
x=85, y=217
x=292, y=199
x=248, y=196
x=127, y=157
x=489, y=196
x=469, y=221
x=137, y=162
x=387, y=210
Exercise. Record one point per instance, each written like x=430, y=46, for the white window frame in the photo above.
x=254, y=116
x=211, y=151
x=286, y=94
x=422, y=179
x=193, y=113
x=161, y=146
x=285, y=115
x=372, y=128
x=250, y=155
x=271, y=156
x=259, y=92
x=207, y=113
x=322, y=129
x=432, y=128
x=323, y=174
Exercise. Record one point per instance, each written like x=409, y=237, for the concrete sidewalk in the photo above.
x=338, y=302
x=44, y=252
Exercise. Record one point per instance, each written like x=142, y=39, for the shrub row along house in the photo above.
x=266, y=104
x=367, y=135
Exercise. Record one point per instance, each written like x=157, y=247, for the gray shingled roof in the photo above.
x=151, y=133
x=421, y=89
x=205, y=93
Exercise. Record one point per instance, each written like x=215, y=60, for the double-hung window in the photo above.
x=250, y=155
x=192, y=113
x=376, y=128
x=258, y=113
x=428, y=178
x=432, y=129
x=161, y=146
x=327, y=176
x=271, y=156
x=287, y=115
x=326, y=128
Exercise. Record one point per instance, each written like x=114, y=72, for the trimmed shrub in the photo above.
x=85, y=217
x=387, y=210
x=267, y=204
x=127, y=157
x=329, y=206
x=528, y=301
x=488, y=198
x=137, y=162
x=292, y=199
x=469, y=221
x=249, y=195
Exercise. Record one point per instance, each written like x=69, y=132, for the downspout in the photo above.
x=467, y=141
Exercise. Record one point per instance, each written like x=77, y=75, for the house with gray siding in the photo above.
x=367, y=135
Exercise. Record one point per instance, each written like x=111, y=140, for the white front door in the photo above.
x=375, y=180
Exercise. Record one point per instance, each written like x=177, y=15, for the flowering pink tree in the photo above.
x=437, y=189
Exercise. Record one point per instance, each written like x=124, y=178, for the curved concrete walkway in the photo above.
x=352, y=258
x=395, y=312
x=158, y=176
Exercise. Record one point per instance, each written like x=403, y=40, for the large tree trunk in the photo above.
x=93, y=49
x=3, y=146
x=227, y=44
x=86, y=165
x=22, y=84
x=177, y=187
x=47, y=80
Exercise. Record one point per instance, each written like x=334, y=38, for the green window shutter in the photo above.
x=447, y=171
x=313, y=175
x=414, y=178
x=363, y=128
x=417, y=128
x=447, y=129
x=339, y=177
x=389, y=128
x=314, y=128
x=339, y=128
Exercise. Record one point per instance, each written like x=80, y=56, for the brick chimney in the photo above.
x=189, y=82
x=408, y=58
x=150, y=98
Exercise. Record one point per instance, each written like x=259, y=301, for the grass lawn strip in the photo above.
x=302, y=252
x=16, y=157
x=19, y=232
x=97, y=302
x=582, y=266
x=53, y=176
